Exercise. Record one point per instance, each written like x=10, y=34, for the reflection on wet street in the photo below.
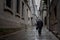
x=31, y=34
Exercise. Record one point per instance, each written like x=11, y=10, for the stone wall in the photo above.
x=9, y=18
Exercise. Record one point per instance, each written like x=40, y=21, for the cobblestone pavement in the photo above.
x=31, y=34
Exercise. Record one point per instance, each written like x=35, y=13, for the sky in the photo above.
x=37, y=3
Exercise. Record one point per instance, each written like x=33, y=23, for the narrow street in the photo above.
x=19, y=17
x=31, y=34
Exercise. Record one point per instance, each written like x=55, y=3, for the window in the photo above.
x=8, y=3
x=18, y=3
x=8, y=6
x=55, y=10
x=18, y=8
x=22, y=10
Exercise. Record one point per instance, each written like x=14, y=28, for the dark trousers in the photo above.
x=39, y=30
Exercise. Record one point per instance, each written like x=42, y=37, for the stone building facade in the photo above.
x=14, y=13
x=54, y=17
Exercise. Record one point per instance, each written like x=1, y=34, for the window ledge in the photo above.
x=8, y=9
x=22, y=18
x=17, y=15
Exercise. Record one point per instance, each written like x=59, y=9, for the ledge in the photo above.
x=17, y=15
x=22, y=18
x=9, y=10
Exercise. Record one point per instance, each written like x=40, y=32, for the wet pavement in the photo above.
x=31, y=34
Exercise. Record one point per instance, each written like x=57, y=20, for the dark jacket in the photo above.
x=39, y=24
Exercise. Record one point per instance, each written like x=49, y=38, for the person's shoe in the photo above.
x=39, y=34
